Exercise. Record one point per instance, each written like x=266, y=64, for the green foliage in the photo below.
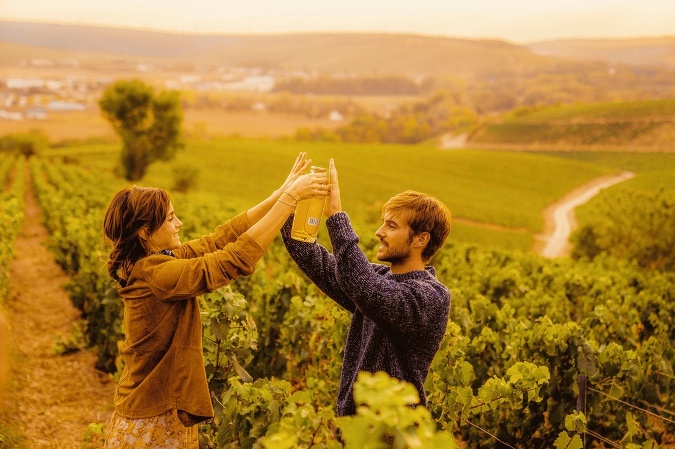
x=11, y=214
x=575, y=423
x=94, y=436
x=184, y=178
x=248, y=410
x=75, y=341
x=312, y=327
x=611, y=323
x=302, y=426
x=148, y=124
x=637, y=226
x=26, y=144
x=410, y=124
x=385, y=419
x=230, y=337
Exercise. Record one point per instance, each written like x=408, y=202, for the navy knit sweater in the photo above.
x=398, y=320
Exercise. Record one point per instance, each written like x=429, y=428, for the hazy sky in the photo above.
x=513, y=20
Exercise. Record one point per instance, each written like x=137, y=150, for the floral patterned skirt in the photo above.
x=161, y=431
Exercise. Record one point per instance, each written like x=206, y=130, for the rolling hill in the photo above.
x=350, y=53
x=657, y=51
x=616, y=126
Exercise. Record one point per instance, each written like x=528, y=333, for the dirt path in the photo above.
x=51, y=399
x=559, y=216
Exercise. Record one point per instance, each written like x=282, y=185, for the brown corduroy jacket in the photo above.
x=162, y=351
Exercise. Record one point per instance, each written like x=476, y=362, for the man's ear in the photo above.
x=421, y=239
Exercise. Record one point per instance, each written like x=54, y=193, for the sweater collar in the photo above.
x=428, y=272
x=165, y=252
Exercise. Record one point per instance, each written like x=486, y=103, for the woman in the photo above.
x=163, y=392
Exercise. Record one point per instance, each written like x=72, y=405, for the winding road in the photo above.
x=560, y=216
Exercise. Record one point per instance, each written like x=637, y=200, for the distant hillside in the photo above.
x=647, y=51
x=631, y=126
x=352, y=53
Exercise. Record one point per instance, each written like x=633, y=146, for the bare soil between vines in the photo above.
x=51, y=399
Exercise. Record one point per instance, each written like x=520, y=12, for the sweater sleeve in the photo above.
x=223, y=234
x=179, y=279
x=317, y=264
x=402, y=304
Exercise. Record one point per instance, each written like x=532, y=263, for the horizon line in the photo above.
x=328, y=32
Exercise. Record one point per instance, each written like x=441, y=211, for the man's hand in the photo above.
x=333, y=204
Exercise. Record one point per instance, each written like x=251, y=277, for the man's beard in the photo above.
x=395, y=256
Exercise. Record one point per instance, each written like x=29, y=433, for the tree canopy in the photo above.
x=149, y=124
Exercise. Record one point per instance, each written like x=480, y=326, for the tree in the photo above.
x=148, y=124
x=28, y=144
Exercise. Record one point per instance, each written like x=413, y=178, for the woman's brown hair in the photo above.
x=132, y=209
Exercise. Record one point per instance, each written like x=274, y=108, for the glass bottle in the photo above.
x=308, y=214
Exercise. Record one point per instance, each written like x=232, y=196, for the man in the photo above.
x=400, y=312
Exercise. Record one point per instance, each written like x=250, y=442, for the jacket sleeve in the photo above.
x=406, y=306
x=317, y=264
x=179, y=279
x=226, y=233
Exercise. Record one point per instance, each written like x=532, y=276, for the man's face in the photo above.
x=395, y=239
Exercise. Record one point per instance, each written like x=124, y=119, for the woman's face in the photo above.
x=166, y=237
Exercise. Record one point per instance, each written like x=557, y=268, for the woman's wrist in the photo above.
x=277, y=193
x=288, y=198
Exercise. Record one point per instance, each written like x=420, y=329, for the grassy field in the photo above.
x=497, y=197
x=655, y=170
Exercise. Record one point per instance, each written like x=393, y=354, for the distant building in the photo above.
x=335, y=116
x=39, y=62
x=24, y=83
x=253, y=83
x=65, y=106
x=36, y=114
x=189, y=79
x=10, y=115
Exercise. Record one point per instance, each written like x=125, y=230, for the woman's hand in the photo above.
x=299, y=167
x=308, y=186
x=334, y=204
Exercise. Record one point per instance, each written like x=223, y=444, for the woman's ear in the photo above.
x=143, y=234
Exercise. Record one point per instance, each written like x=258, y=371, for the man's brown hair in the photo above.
x=423, y=213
